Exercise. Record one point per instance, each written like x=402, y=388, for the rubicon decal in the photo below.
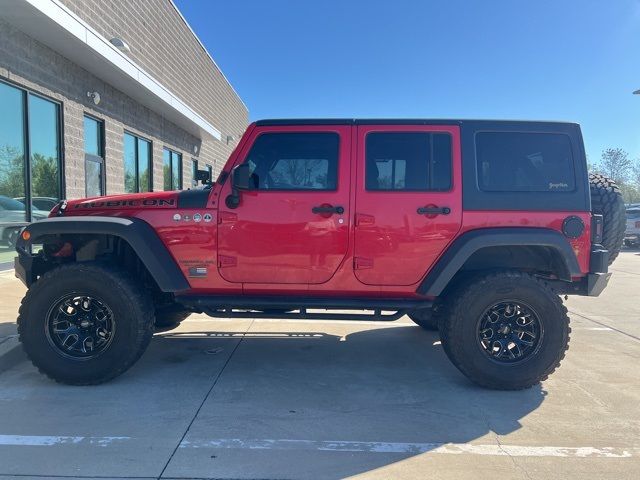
x=149, y=202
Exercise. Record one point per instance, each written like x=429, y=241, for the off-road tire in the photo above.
x=133, y=314
x=606, y=200
x=169, y=318
x=463, y=311
x=425, y=318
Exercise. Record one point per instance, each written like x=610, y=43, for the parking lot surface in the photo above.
x=275, y=399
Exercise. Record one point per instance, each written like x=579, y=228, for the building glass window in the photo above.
x=28, y=189
x=94, y=157
x=172, y=169
x=137, y=164
x=194, y=171
x=12, y=161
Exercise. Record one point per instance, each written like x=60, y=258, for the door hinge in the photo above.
x=360, y=263
x=224, y=261
x=226, y=217
x=363, y=220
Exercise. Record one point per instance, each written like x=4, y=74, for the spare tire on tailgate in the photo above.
x=606, y=200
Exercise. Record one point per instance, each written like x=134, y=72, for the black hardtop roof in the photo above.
x=400, y=121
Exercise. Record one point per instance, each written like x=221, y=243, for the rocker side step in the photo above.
x=297, y=307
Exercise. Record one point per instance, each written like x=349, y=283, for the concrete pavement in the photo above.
x=289, y=399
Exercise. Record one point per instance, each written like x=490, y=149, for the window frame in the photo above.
x=180, y=174
x=88, y=157
x=137, y=138
x=477, y=167
x=301, y=132
x=25, y=92
x=430, y=165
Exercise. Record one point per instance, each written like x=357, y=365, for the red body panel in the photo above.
x=273, y=242
x=393, y=243
x=274, y=237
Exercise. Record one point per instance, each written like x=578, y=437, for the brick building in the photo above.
x=102, y=97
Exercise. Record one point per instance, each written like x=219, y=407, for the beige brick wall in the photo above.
x=163, y=45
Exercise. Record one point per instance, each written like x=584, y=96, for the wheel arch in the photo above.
x=525, y=248
x=138, y=234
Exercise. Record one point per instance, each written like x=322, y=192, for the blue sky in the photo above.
x=574, y=60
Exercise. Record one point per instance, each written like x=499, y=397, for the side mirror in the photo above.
x=240, y=180
x=241, y=176
x=203, y=176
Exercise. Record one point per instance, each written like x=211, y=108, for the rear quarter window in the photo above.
x=524, y=162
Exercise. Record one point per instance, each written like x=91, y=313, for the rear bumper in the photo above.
x=598, y=275
x=594, y=282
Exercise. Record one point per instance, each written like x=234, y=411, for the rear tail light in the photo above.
x=596, y=228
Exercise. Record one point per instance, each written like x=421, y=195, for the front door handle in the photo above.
x=328, y=210
x=434, y=211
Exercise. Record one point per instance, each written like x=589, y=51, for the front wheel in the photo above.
x=505, y=330
x=85, y=323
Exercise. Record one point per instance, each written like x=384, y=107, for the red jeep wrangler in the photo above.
x=471, y=227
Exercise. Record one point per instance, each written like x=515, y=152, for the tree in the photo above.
x=44, y=176
x=635, y=173
x=615, y=164
x=11, y=172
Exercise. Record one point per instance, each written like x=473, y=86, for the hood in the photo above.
x=131, y=201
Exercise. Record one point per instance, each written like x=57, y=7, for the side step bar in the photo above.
x=297, y=307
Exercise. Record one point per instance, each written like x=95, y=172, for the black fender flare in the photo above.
x=468, y=243
x=137, y=233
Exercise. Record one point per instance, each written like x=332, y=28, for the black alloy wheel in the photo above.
x=509, y=332
x=80, y=327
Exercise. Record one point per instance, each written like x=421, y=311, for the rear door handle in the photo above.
x=434, y=210
x=328, y=209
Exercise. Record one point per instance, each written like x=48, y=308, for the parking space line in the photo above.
x=339, y=446
x=415, y=448
x=604, y=325
x=48, y=440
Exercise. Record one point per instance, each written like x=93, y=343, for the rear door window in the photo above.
x=524, y=162
x=408, y=161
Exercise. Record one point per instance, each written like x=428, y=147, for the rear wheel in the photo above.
x=85, y=323
x=505, y=331
x=606, y=200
